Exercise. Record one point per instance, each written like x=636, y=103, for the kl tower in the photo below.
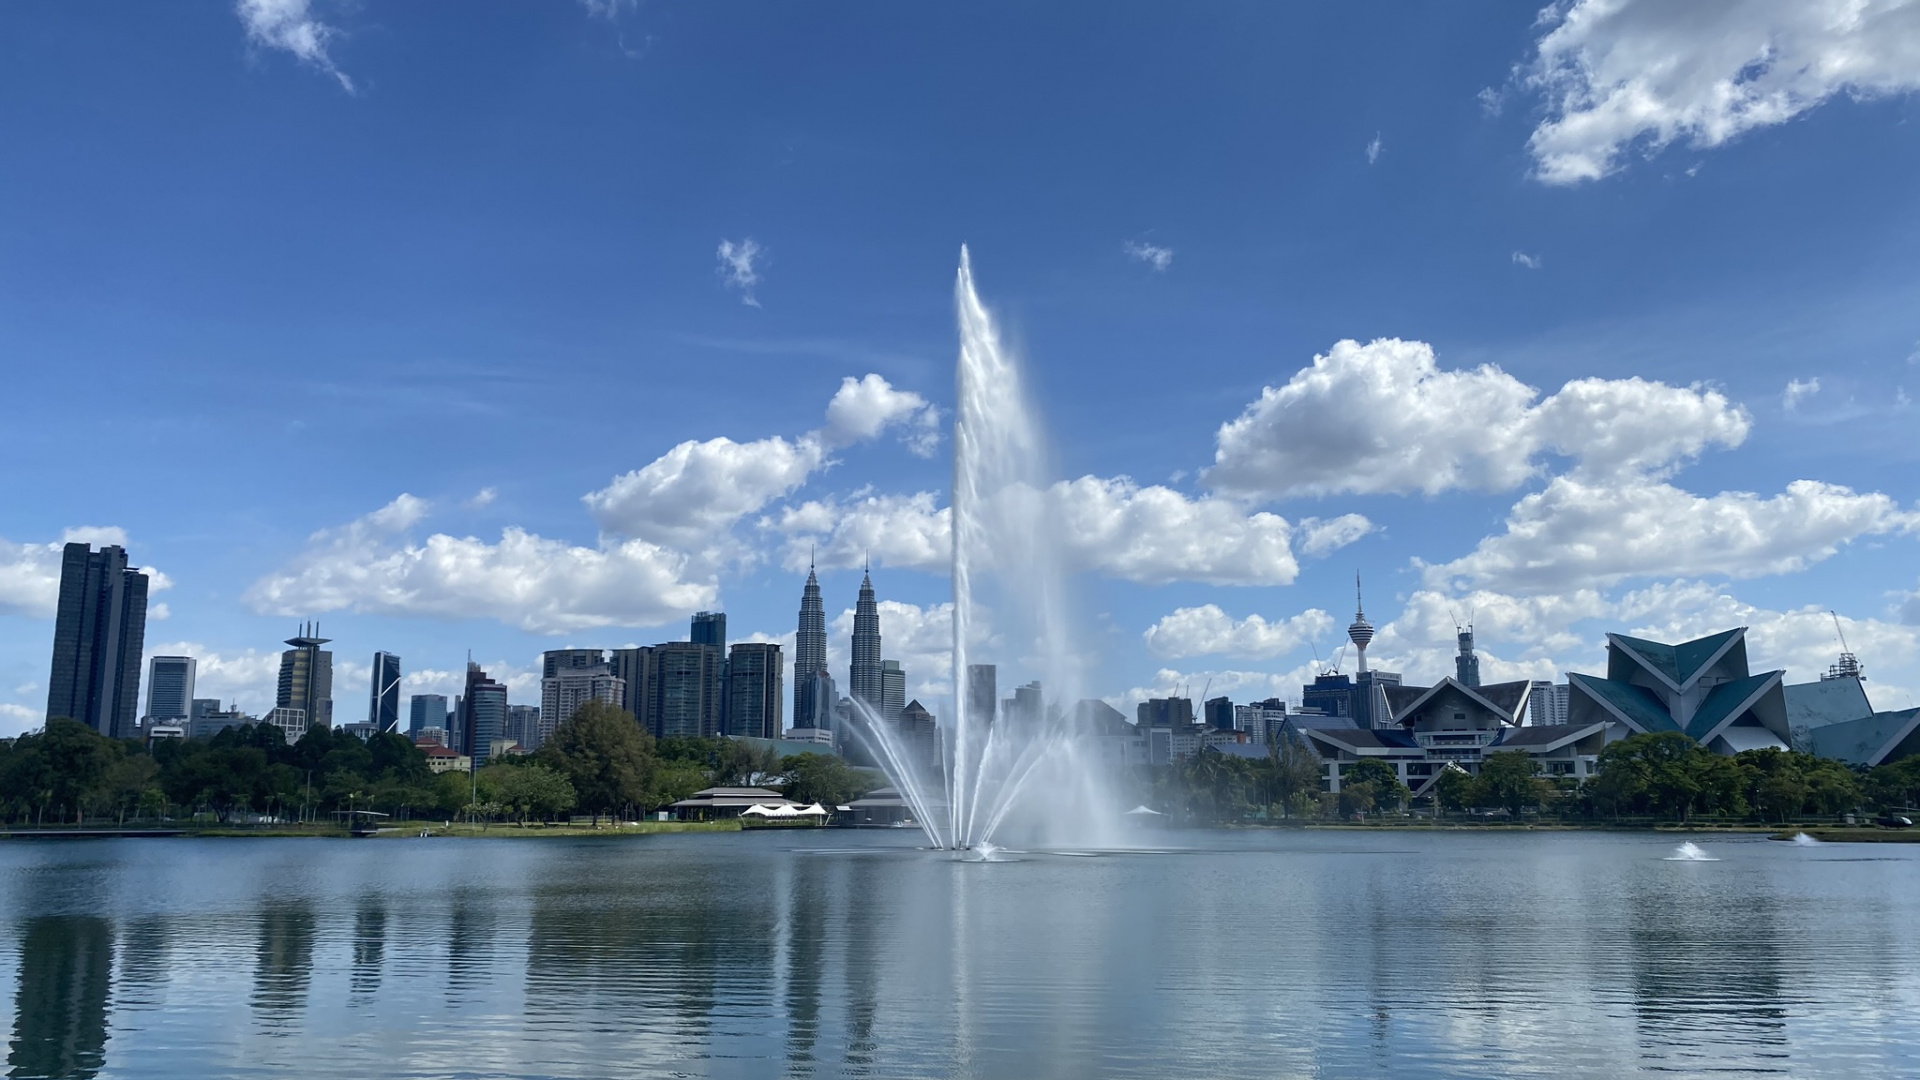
x=1361, y=632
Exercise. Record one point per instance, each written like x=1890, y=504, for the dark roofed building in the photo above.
x=1702, y=688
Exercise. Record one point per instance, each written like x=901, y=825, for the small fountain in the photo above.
x=1801, y=839
x=1000, y=765
x=1691, y=852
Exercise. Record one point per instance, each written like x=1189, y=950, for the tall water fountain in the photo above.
x=1027, y=770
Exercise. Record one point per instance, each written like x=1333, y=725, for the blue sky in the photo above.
x=266, y=268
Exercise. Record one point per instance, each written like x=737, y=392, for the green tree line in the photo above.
x=600, y=762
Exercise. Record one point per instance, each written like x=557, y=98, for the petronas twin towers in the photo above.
x=813, y=690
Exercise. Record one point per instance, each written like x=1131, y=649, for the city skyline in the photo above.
x=1542, y=375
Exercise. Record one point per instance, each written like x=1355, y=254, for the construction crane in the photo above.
x=1848, y=665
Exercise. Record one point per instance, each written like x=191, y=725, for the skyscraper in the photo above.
x=755, y=697
x=99, y=632
x=1361, y=631
x=863, y=674
x=170, y=688
x=1466, y=666
x=983, y=694
x=483, y=715
x=710, y=628
x=383, y=705
x=672, y=688
x=809, y=654
x=893, y=690
x=306, y=678
x=426, y=711
x=569, y=688
x=523, y=726
x=553, y=661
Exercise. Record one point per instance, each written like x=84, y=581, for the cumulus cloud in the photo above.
x=1325, y=537
x=1578, y=533
x=372, y=565
x=695, y=492
x=1152, y=254
x=740, y=267
x=1620, y=74
x=863, y=408
x=483, y=498
x=1199, y=631
x=1384, y=417
x=1373, y=149
x=692, y=495
x=1531, y=262
x=290, y=25
x=1111, y=526
x=1798, y=390
x=30, y=573
x=901, y=531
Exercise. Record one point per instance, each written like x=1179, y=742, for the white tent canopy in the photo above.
x=1141, y=811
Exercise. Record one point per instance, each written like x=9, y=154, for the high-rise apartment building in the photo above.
x=483, y=715
x=1025, y=708
x=863, y=673
x=1219, y=713
x=1466, y=665
x=1164, y=712
x=809, y=656
x=571, y=687
x=554, y=661
x=383, y=705
x=306, y=678
x=1546, y=703
x=170, y=689
x=99, y=632
x=672, y=688
x=755, y=690
x=893, y=690
x=523, y=726
x=426, y=711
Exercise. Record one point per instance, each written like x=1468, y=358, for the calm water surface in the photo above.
x=855, y=954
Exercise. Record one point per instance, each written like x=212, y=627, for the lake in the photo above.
x=835, y=953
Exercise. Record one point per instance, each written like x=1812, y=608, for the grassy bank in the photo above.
x=508, y=829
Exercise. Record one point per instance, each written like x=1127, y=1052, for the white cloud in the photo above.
x=692, y=494
x=483, y=498
x=608, y=9
x=1326, y=537
x=1204, y=630
x=740, y=267
x=1616, y=74
x=1384, y=417
x=1373, y=149
x=1152, y=254
x=544, y=586
x=288, y=24
x=17, y=720
x=1910, y=608
x=863, y=408
x=1241, y=686
x=30, y=573
x=1380, y=417
x=1578, y=533
x=1798, y=390
x=1531, y=262
x=900, y=531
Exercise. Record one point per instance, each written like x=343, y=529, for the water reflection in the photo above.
x=284, y=964
x=60, y=1008
x=732, y=956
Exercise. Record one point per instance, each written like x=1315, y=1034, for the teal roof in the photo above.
x=1636, y=704
x=1678, y=662
x=1723, y=699
x=1859, y=742
x=1829, y=701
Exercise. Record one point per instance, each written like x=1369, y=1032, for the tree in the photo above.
x=1296, y=772
x=606, y=755
x=529, y=789
x=1454, y=789
x=824, y=779
x=1369, y=784
x=1508, y=778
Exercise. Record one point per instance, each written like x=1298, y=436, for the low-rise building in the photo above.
x=723, y=803
x=441, y=759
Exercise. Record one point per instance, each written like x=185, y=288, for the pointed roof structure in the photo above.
x=1702, y=688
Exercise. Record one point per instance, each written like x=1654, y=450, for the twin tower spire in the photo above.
x=813, y=692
